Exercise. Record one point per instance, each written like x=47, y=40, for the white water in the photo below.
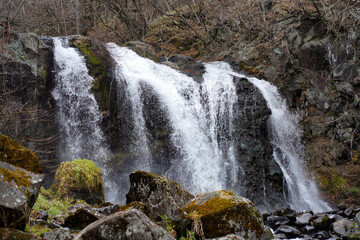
x=200, y=117
x=78, y=112
x=289, y=151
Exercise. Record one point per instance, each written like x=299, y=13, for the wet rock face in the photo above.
x=254, y=151
x=163, y=196
x=19, y=187
x=27, y=108
x=223, y=213
x=131, y=224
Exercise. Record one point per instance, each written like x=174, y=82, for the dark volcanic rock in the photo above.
x=254, y=149
x=289, y=231
x=80, y=218
x=163, y=196
x=128, y=225
x=322, y=222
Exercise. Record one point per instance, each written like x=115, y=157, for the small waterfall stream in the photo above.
x=302, y=193
x=77, y=110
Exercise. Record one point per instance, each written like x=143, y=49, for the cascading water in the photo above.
x=288, y=150
x=78, y=112
x=200, y=125
x=200, y=118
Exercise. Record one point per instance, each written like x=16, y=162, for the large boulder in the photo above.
x=223, y=213
x=80, y=179
x=163, y=196
x=20, y=182
x=127, y=225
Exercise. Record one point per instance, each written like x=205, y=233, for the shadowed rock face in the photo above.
x=254, y=149
x=131, y=224
x=27, y=109
x=163, y=196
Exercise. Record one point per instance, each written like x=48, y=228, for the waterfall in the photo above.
x=77, y=110
x=197, y=119
x=302, y=193
x=200, y=116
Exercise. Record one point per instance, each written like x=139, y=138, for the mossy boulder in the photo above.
x=223, y=213
x=20, y=182
x=79, y=179
x=17, y=155
x=162, y=195
x=14, y=234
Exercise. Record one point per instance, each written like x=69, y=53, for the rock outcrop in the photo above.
x=223, y=213
x=131, y=224
x=20, y=182
x=80, y=179
x=27, y=110
x=163, y=196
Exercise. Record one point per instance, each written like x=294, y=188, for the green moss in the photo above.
x=19, y=156
x=18, y=176
x=37, y=230
x=79, y=175
x=44, y=73
x=95, y=63
x=220, y=211
x=49, y=203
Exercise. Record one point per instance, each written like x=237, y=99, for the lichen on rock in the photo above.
x=80, y=179
x=223, y=213
x=17, y=155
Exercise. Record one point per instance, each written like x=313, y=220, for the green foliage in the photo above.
x=54, y=206
x=189, y=236
x=169, y=225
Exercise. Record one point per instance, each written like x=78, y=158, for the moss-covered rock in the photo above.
x=20, y=183
x=223, y=213
x=14, y=234
x=80, y=179
x=17, y=155
x=162, y=195
x=95, y=62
